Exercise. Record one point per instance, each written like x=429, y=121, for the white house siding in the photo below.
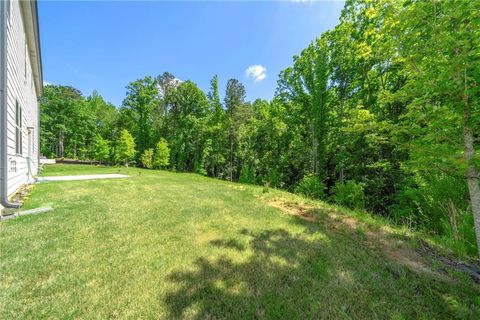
x=21, y=88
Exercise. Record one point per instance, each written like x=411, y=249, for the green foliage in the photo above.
x=441, y=92
x=161, y=157
x=66, y=121
x=216, y=134
x=185, y=128
x=70, y=122
x=378, y=100
x=125, y=148
x=105, y=114
x=306, y=84
x=459, y=234
x=349, y=194
x=100, y=149
x=438, y=205
x=273, y=178
x=142, y=97
x=311, y=186
x=147, y=158
x=246, y=176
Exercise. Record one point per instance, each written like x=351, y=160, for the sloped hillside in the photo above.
x=168, y=245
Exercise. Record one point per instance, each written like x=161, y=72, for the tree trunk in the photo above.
x=231, y=159
x=472, y=180
x=340, y=132
x=469, y=152
x=314, y=149
x=60, y=144
x=231, y=136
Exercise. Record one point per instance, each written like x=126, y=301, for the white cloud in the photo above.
x=257, y=72
x=46, y=83
x=175, y=82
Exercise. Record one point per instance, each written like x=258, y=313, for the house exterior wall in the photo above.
x=21, y=89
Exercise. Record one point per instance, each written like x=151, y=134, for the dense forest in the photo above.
x=381, y=114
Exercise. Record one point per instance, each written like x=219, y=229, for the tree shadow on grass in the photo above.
x=228, y=244
x=315, y=274
x=223, y=288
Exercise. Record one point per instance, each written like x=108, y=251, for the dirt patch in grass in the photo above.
x=19, y=197
x=22, y=194
x=303, y=212
x=424, y=259
x=470, y=267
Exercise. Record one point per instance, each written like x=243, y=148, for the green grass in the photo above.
x=170, y=245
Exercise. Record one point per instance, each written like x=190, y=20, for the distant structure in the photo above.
x=21, y=86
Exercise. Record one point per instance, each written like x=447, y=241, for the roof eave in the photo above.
x=30, y=18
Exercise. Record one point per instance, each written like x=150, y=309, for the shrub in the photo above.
x=349, y=194
x=311, y=186
x=459, y=232
x=125, y=148
x=161, y=157
x=100, y=149
x=430, y=201
x=201, y=164
x=246, y=175
x=147, y=158
x=273, y=179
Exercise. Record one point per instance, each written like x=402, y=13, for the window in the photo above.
x=18, y=129
x=13, y=166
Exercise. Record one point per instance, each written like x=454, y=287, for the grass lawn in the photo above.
x=169, y=245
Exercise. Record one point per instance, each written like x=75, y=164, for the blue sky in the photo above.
x=106, y=45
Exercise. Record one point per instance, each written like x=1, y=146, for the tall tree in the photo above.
x=216, y=132
x=306, y=84
x=142, y=97
x=443, y=88
x=66, y=123
x=237, y=112
x=188, y=108
x=105, y=115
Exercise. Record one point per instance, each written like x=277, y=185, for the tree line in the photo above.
x=380, y=113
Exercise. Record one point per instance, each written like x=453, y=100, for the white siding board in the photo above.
x=19, y=88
